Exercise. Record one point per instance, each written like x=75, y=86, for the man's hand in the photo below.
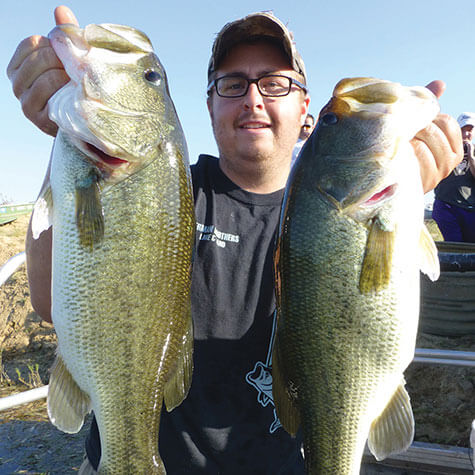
x=36, y=74
x=438, y=147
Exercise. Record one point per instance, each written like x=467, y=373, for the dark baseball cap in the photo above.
x=255, y=25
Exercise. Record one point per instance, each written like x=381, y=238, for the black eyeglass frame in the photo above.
x=255, y=81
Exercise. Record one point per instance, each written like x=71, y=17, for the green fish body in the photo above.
x=350, y=247
x=121, y=207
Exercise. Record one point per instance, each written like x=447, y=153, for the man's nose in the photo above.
x=253, y=98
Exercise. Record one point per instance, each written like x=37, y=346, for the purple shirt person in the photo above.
x=454, y=205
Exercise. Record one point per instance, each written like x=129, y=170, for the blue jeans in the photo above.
x=456, y=224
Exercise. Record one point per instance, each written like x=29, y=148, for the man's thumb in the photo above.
x=63, y=15
x=436, y=87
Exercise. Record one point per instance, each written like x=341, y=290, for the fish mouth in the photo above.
x=380, y=196
x=101, y=159
x=355, y=200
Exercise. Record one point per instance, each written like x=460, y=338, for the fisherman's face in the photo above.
x=253, y=127
x=467, y=133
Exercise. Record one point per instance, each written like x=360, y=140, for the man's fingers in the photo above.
x=63, y=15
x=23, y=50
x=36, y=74
x=428, y=168
x=437, y=87
x=33, y=66
x=36, y=97
x=34, y=100
x=44, y=123
x=439, y=149
x=451, y=130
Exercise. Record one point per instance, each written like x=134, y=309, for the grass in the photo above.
x=35, y=411
x=34, y=378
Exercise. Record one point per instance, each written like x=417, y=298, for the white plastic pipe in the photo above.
x=22, y=398
x=11, y=266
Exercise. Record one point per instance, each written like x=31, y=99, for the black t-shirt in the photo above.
x=227, y=424
x=458, y=188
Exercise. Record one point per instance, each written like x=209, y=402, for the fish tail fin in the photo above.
x=41, y=218
x=393, y=431
x=429, y=257
x=67, y=403
x=286, y=409
x=177, y=387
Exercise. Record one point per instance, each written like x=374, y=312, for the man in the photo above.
x=454, y=204
x=305, y=132
x=227, y=424
x=307, y=127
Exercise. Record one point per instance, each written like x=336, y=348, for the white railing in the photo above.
x=445, y=357
x=11, y=266
x=24, y=397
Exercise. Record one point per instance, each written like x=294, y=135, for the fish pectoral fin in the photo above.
x=67, y=403
x=89, y=215
x=42, y=217
x=393, y=431
x=376, y=266
x=284, y=398
x=429, y=258
x=177, y=387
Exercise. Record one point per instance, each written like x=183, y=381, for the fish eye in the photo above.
x=329, y=118
x=152, y=76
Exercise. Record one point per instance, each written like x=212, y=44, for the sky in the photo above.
x=411, y=42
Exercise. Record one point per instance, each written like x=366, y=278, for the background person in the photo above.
x=305, y=132
x=454, y=204
x=227, y=424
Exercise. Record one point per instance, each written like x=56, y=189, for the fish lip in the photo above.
x=70, y=46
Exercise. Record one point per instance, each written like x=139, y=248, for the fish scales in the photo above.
x=340, y=353
x=122, y=269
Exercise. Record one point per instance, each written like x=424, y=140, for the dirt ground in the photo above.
x=442, y=396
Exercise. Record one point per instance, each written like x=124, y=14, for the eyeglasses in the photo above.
x=270, y=85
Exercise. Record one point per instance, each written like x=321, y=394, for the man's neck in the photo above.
x=257, y=177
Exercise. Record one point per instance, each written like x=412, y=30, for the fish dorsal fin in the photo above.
x=393, y=431
x=376, y=266
x=284, y=397
x=429, y=258
x=67, y=403
x=177, y=387
x=42, y=217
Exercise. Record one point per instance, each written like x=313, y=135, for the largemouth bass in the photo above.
x=121, y=206
x=350, y=246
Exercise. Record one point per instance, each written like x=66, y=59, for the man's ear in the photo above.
x=305, y=109
x=209, y=103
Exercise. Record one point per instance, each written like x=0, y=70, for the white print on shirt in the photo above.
x=211, y=233
x=260, y=378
